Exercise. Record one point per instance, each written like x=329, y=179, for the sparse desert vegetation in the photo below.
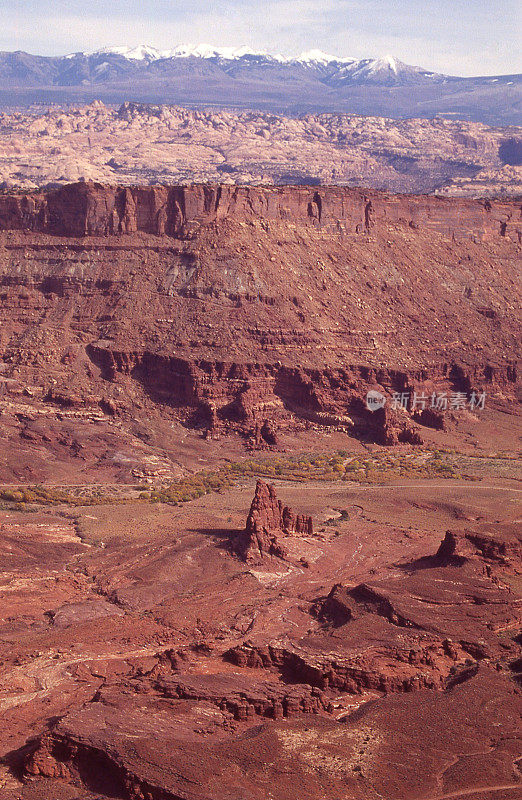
x=378, y=467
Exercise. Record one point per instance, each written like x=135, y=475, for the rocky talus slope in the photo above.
x=147, y=144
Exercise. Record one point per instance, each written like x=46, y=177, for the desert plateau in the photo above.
x=225, y=575
x=140, y=143
x=260, y=400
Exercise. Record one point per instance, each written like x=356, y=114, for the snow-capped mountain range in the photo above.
x=313, y=58
x=333, y=70
x=145, y=52
x=242, y=77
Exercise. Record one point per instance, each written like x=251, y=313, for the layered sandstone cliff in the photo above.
x=257, y=310
x=91, y=209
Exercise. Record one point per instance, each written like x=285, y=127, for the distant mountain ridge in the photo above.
x=145, y=52
x=244, y=78
x=93, y=66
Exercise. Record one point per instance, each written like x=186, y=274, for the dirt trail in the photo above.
x=468, y=792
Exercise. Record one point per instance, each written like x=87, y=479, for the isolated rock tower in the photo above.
x=267, y=523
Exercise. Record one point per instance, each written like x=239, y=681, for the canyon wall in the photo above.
x=252, y=308
x=91, y=209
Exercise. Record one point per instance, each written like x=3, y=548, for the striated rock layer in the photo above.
x=91, y=209
x=257, y=308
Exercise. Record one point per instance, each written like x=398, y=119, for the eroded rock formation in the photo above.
x=268, y=522
x=494, y=543
x=152, y=144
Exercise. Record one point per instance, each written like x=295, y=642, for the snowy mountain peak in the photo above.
x=141, y=52
x=209, y=51
x=144, y=52
x=387, y=62
x=319, y=57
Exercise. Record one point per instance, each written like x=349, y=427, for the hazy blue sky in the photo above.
x=457, y=36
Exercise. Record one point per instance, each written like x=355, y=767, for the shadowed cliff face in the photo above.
x=235, y=307
x=510, y=151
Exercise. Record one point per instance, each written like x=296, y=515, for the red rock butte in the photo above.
x=267, y=523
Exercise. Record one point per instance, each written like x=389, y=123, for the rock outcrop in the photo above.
x=268, y=522
x=243, y=698
x=392, y=427
x=501, y=544
x=455, y=546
